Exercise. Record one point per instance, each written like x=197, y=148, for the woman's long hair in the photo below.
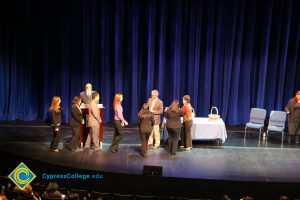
x=117, y=99
x=295, y=97
x=175, y=106
x=55, y=104
x=144, y=113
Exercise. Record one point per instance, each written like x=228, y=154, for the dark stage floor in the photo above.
x=239, y=159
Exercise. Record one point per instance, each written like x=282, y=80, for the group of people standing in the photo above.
x=92, y=120
x=149, y=119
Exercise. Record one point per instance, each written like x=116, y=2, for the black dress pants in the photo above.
x=55, y=139
x=117, y=136
x=186, y=134
x=144, y=141
x=173, y=139
x=75, y=138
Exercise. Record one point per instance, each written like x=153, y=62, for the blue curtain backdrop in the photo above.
x=233, y=54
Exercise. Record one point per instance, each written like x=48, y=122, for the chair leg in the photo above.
x=245, y=132
x=259, y=134
x=282, y=137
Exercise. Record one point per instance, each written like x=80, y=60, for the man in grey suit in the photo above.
x=156, y=107
x=86, y=96
x=94, y=121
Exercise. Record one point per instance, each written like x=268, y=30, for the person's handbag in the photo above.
x=214, y=117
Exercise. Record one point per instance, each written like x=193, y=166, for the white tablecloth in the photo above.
x=204, y=129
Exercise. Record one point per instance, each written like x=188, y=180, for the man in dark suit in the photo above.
x=76, y=120
x=86, y=96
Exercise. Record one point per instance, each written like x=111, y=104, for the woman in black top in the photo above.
x=146, y=122
x=172, y=115
x=56, y=120
x=75, y=121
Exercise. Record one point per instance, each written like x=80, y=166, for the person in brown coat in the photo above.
x=293, y=111
x=173, y=115
x=145, y=122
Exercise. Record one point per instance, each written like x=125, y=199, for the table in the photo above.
x=205, y=129
x=85, y=130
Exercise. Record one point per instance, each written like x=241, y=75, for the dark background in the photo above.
x=233, y=54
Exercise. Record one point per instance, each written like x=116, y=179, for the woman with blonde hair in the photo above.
x=55, y=110
x=119, y=121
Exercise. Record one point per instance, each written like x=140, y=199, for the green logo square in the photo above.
x=22, y=176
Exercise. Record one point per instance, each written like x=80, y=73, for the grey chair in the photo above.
x=276, y=123
x=257, y=120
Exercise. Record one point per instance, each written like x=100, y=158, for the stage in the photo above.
x=233, y=55
x=238, y=159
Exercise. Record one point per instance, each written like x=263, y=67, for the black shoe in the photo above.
x=113, y=150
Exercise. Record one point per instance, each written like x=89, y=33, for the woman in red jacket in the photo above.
x=188, y=116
